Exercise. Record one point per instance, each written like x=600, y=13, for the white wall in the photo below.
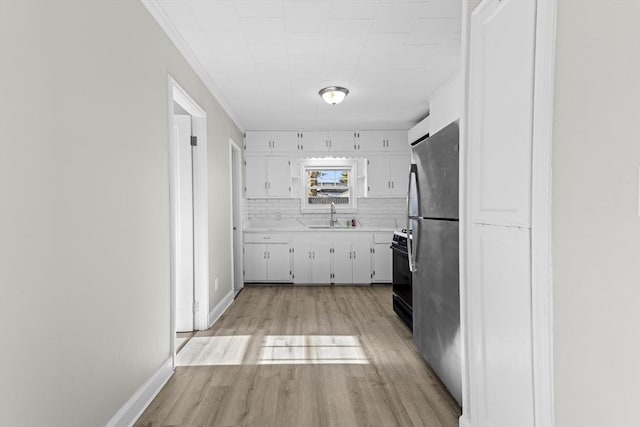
x=444, y=104
x=84, y=223
x=596, y=228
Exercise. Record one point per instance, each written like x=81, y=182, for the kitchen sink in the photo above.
x=327, y=227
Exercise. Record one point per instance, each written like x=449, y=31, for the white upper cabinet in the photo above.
x=255, y=182
x=267, y=176
x=399, y=175
x=278, y=176
x=388, y=176
x=314, y=141
x=271, y=141
x=341, y=140
x=370, y=140
x=326, y=141
x=380, y=141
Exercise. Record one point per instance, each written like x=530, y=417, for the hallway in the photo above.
x=304, y=356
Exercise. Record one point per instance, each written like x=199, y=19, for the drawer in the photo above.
x=383, y=237
x=266, y=238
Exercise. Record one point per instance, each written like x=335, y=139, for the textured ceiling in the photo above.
x=269, y=58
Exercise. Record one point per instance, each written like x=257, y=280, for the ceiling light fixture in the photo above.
x=333, y=94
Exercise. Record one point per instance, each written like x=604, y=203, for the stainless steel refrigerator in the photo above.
x=432, y=218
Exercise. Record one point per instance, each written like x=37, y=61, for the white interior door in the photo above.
x=500, y=352
x=184, y=224
x=236, y=196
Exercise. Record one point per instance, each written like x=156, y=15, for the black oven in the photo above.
x=402, y=292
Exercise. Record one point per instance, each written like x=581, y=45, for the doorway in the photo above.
x=183, y=198
x=189, y=214
x=235, y=168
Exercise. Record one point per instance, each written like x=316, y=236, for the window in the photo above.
x=327, y=181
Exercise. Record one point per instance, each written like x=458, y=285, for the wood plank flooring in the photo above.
x=304, y=356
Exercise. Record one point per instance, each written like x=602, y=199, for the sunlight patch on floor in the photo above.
x=212, y=351
x=311, y=349
x=274, y=350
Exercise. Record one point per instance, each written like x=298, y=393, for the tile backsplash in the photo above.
x=370, y=211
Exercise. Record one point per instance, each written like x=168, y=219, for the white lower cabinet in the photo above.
x=340, y=258
x=267, y=262
x=311, y=262
x=382, y=258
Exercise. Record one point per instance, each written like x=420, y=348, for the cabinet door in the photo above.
x=399, y=175
x=302, y=253
x=500, y=283
x=342, y=264
x=278, y=263
x=378, y=182
x=257, y=142
x=255, y=262
x=321, y=263
x=382, y=262
x=501, y=114
x=341, y=140
x=315, y=141
x=371, y=140
x=397, y=140
x=285, y=141
x=361, y=261
x=278, y=176
x=255, y=173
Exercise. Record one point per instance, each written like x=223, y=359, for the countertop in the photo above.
x=289, y=225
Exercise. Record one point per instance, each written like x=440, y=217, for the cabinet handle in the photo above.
x=309, y=254
x=265, y=255
x=388, y=184
x=354, y=254
x=268, y=185
x=269, y=255
x=358, y=146
x=314, y=254
x=265, y=185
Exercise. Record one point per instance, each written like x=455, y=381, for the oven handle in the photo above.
x=413, y=267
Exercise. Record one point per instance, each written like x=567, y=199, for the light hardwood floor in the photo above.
x=304, y=356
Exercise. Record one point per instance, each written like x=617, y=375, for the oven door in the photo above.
x=402, y=276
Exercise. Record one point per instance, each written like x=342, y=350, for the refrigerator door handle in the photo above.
x=412, y=261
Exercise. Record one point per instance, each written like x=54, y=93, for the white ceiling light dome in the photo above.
x=334, y=94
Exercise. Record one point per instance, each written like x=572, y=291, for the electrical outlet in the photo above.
x=215, y=284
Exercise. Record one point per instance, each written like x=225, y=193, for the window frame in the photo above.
x=329, y=163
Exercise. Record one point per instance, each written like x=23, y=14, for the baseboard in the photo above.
x=220, y=308
x=133, y=408
x=464, y=421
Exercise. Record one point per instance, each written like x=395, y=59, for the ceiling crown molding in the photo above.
x=153, y=6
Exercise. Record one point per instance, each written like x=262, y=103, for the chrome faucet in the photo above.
x=333, y=221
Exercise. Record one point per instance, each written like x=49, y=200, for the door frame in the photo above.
x=235, y=175
x=541, y=214
x=200, y=209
